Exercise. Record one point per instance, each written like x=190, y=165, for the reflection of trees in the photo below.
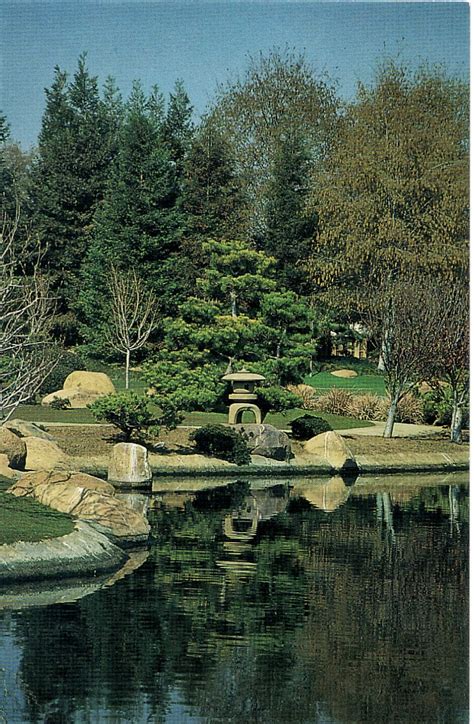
x=329, y=616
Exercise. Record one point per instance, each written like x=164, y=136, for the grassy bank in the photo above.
x=37, y=413
x=27, y=520
x=363, y=384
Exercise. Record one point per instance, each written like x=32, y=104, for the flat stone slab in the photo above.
x=83, y=552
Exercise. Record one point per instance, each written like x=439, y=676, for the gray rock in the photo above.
x=266, y=440
x=129, y=464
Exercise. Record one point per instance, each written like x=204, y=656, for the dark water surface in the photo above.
x=311, y=603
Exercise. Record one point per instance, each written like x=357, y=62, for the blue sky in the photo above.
x=204, y=42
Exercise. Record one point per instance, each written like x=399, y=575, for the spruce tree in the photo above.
x=69, y=180
x=138, y=224
x=289, y=228
x=178, y=127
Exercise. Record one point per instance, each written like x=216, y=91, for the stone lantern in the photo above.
x=243, y=397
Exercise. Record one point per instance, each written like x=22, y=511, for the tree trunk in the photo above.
x=233, y=304
x=392, y=411
x=456, y=421
x=127, y=369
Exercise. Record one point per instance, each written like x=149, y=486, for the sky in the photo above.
x=205, y=42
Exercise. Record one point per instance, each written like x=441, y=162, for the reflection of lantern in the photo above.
x=243, y=397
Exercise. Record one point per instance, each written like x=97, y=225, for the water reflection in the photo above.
x=308, y=602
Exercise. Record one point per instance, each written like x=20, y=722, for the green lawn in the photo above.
x=324, y=381
x=27, y=520
x=46, y=414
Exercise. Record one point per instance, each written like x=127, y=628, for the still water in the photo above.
x=312, y=602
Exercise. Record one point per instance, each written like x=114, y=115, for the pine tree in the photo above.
x=69, y=179
x=178, y=127
x=288, y=227
x=213, y=198
x=138, y=224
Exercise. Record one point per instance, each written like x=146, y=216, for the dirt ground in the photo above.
x=97, y=440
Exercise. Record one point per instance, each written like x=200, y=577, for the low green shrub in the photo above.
x=133, y=414
x=59, y=403
x=307, y=426
x=221, y=442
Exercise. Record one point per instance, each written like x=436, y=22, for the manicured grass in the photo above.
x=324, y=381
x=27, y=520
x=46, y=414
x=277, y=419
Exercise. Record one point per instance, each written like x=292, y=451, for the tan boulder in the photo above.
x=6, y=471
x=43, y=454
x=82, y=388
x=108, y=514
x=344, y=373
x=129, y=464
x=13, y=447
x=77, y=399
x=24, y=428
x=95, y=383
x=331, y=447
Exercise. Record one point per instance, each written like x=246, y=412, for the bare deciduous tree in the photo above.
x=132, y=314
x=26, y=312
x=451, y=348
x=400, y=316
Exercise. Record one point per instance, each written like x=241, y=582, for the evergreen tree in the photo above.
x=178, y=127
x=138, y=224
x=7, y=195
x=213, y=198
x=69, y=180
x=288, y=227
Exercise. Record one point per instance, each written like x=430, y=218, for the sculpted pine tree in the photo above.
x=393, y=190
x=132, y=314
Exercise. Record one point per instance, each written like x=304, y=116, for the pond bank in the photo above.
x=84, y=552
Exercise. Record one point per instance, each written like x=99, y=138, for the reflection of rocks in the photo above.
x=129, y=464
x=16, y=596
x=325, y=496
x=266, y=440
x=330, y=446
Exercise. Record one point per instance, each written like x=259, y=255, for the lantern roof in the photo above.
x=243, y=375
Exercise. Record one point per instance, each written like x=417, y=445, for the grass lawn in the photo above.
x=46, y=414
x=324, y=381
x=27, y=520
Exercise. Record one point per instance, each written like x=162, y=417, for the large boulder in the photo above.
x=6, y=471
x=30, y=482
x=266, y=440
x=82, y=388
x=129, y=464
x=23, y=428
x=98, y=507
x=43, y=454
x=330, y=446
x=13, y=447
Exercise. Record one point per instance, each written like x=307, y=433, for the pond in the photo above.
x=315, y=601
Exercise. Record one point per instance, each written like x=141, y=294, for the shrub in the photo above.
x=438, y=407
x=306, y=395
x=337, y=402
x=221, y=442
x=366, y=407
x=60, y=404
x=307, y=426
x=132, y=414
x=276, y=399
x=68, y=362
